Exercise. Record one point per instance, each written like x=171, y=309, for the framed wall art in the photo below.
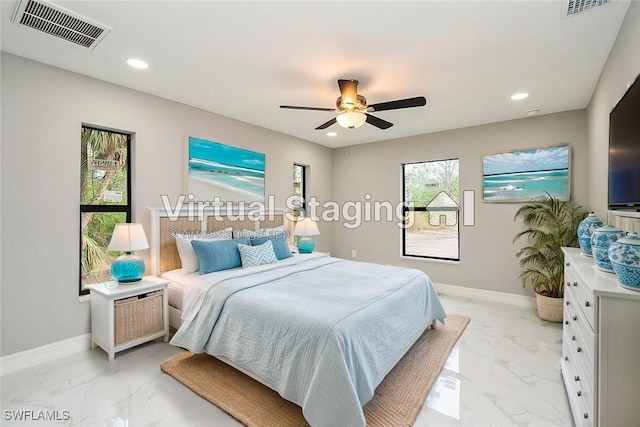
x=523, y=175
x=231, y=173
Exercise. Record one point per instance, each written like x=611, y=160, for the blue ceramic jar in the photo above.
x=601, y=239
x=624, y=255
x=585, y=229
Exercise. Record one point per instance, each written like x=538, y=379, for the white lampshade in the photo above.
x=127, y=238
x=351, y=119
x=306, y=227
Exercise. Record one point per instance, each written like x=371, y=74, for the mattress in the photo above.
x=178, y=286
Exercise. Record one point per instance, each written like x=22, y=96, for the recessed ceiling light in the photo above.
x=331, y=134
x=518, y=96
x=533, y=112
x=137, y=63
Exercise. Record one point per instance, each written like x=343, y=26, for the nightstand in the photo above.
x=129, y=315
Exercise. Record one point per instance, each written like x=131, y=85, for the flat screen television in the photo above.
x=624, y=151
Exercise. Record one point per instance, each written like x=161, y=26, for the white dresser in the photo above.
x=600, y=345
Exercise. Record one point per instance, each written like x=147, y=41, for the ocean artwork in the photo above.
x=231, y=173
x=523, y=175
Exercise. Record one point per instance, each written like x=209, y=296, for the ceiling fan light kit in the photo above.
x=351, y=119
x=352, y=110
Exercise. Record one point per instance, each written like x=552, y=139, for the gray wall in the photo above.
x=622, y=67
x=43, y=109
x=487, y=254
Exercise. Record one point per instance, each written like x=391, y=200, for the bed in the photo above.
x=321, y=331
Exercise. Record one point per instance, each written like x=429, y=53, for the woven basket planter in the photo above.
x=549, y=309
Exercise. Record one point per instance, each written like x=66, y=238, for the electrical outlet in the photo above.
x=354, y=254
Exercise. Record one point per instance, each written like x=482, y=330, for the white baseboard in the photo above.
x=45, y=353
x=482, y=294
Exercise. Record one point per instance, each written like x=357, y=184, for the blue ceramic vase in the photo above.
x=624, y=255
x=585, y=230
x=601, y=239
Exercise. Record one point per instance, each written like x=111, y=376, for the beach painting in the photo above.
x=523, y=175
x=231, y=173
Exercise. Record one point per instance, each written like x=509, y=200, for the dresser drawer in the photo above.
x=583, y=296
x=578, y=331
x=580, y=389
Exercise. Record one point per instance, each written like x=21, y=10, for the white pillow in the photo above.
x=188, y=257
x=257, y=255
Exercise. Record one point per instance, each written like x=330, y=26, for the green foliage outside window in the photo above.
x=432, y=191
x=104, y=198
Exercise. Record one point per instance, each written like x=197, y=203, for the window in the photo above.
x=432, y=210
x=299, y=187
x=105, y=199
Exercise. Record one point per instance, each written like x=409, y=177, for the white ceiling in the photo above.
x=244, y=59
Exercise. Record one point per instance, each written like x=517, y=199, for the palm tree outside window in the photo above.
x=105, y=199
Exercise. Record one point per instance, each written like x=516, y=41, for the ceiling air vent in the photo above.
x=57, y=21
x=575, y=7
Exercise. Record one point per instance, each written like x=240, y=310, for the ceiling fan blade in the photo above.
x=418, y=101
x=348, y=91
x=294, y=107
x=327, y=124
x=378, y=122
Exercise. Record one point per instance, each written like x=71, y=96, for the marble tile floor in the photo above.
x=504, y=371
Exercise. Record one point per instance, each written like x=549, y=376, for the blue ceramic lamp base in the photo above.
x=127, y=269
x=305, y=245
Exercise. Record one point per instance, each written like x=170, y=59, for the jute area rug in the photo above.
x=397, y=400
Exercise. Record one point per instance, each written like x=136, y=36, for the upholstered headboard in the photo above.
x=166, y=225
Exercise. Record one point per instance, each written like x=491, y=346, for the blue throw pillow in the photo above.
x=280, y=245
x=217, y=255
x=257, y=255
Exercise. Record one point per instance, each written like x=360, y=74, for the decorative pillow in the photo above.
x=188, y=257
x=217, y=255
x=280, y=245
x=257, y=255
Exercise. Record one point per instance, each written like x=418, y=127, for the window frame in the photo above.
x=304, y=168
x=84, y=208
x=406, y=208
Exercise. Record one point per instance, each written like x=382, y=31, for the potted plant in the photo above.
x=550, y=225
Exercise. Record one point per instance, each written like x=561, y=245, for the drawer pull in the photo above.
x=585, y=415
x=575, y=283
x=579, y=393
x=568, y=303
x=566, y=322
x=576, y=378
x=579, y=349
x=573, y=338
x=566, y=358
x=575, y=317
x=568, y=264
x=587, y=304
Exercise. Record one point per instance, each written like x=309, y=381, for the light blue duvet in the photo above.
x=321, y=331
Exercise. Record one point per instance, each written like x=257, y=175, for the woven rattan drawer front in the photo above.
x=138, y=316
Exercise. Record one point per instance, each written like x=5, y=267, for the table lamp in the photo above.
x=127, y=238
x=305, y=228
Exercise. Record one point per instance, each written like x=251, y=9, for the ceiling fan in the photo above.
x=352, y=109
